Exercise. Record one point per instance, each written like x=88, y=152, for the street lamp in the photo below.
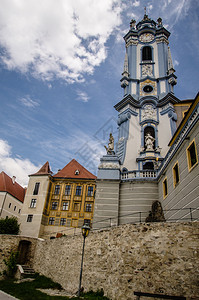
x=85, y=232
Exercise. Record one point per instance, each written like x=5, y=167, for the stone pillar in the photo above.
x=109, y=167
x=107, y=193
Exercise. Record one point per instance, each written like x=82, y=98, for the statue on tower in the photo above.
x=110, y=148
x=149, y=141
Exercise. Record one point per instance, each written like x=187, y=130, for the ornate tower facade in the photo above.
x=146, y=114
x=127, y=181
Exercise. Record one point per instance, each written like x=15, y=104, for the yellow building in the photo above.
x=60, y=203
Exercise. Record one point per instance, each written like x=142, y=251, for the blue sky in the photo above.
x=60, y=70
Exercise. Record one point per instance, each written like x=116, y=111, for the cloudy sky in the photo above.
x=60, y=69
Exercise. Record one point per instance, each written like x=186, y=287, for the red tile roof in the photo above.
x=74, y=170
x=45, y=170
x=15, y=189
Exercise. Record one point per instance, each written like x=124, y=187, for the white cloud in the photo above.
x=27, y=101
x=5, y=148
x=136, y=3
x=82, y=96
x=15, y=166
x=150, y=7
x=173, y=11
x=56, y=39
x=175, y=63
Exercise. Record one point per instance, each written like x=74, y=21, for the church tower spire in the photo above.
x=147, y=107
x=148, y=56
x=125, y=71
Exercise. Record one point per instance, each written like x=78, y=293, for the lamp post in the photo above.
x=85, y=232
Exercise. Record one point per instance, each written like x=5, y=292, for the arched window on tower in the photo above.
x=149, y=138
x=146, y=53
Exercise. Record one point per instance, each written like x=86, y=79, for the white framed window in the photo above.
x=57, y=189
x=65, y=205
x=29, y=218
x=67, y=190
x=90, y=191
x=51, y=221
x=63, y=221
x=78, y=190
x=54, y=205
x=33, y=203
x=88, y=207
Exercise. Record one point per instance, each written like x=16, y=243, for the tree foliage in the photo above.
x=11, y=264
x=9, y=226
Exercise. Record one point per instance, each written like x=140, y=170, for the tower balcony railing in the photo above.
x=136, y=174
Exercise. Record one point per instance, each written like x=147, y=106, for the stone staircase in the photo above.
x=25, y=271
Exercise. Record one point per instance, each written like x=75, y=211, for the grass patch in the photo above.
x=28, y=290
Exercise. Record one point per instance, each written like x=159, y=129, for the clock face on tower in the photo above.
x=146, y=37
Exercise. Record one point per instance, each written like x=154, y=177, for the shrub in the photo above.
x=9, y=226
x=11, y=264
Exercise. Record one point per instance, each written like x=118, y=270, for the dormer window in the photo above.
x=77, y=172
x=146, y=53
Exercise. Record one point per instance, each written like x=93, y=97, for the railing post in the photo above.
x=191, y=214
x=140, y=217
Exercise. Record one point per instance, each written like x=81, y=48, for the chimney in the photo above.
x=13, y=179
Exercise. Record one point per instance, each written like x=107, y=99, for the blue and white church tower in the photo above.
x=147, y=119
x=127, y=175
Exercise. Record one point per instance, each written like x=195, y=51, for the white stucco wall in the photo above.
x=32, y=229
x=133, y=144
x=164, y=133
x=14, y=209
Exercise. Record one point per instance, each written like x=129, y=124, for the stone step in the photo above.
x=27, y=271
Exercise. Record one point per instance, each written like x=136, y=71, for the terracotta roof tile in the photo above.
x=45, y=170
x=7, y=185
x=74, y=170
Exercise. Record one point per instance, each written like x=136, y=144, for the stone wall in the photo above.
x=10, y=243
x=153, y=258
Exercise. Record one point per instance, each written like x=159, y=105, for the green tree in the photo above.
x=9, y=226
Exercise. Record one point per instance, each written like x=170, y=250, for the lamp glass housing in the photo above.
x=85, y=230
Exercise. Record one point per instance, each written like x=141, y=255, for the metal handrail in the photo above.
x=141, y=214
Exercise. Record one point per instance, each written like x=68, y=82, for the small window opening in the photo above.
x=176, y=177
x=77, y=172
x=67, y=190
x=146, y=53
x=29, y=218
x=57, y=189
x=36, y=189
x=192, y=155
x=165, y=188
